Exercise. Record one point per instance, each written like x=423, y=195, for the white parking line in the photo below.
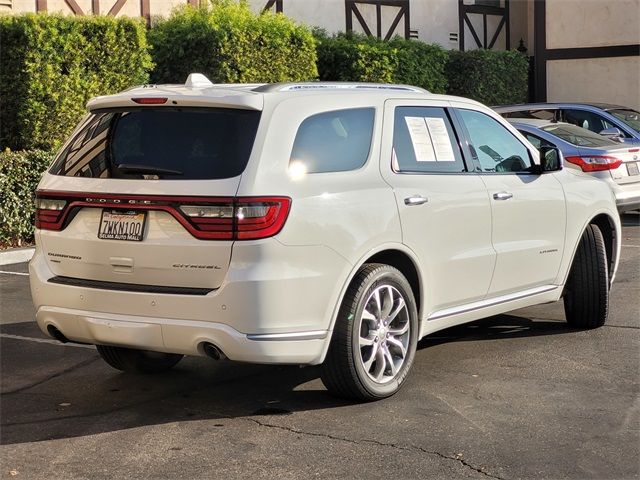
x=14, y=273
x=631, y=246
x=44, y=340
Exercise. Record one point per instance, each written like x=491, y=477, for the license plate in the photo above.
x=122, y=225
x=632, y=168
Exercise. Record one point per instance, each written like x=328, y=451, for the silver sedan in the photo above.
x=592, y=153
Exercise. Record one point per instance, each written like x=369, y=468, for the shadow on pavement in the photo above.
x=90, y=398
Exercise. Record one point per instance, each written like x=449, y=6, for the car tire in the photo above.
x=138, y=361
x=586, y=298
x=375, y=336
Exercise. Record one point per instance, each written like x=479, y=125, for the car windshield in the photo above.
x=578, y=136
x=629, y=117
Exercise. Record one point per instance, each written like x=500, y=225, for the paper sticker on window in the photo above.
x=440, y=139
x=420, y=138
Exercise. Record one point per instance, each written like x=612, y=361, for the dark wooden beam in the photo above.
x=41, y=5
x=74, y=6
x=498, y=30
x=394, y=24
x=461, y=25
x=95, y=7
x=593, y=52
x=361, y=20
x=145, y=11
x=540, y=47
x=117, y=7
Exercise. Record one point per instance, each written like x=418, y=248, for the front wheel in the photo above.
x=137, y=361
x=375, y=336
x=586, y=298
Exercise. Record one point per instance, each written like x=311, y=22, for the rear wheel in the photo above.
x=137, y=361
x=375, y=336
x=586, y=298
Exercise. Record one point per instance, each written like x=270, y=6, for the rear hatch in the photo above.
x=145, y=195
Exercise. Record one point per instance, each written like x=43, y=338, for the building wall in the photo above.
x=608, y=80
x=575, y=26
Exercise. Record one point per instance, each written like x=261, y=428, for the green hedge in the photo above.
x=489, y=76
x=229, y=43
x=51, y=65
x=19, y=175
x=357, y=58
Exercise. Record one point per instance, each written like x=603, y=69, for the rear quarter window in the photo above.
x=334, y=141
x=161, y=143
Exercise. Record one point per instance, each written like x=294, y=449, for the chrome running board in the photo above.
x=490, y=302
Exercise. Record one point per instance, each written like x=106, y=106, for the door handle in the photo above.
x=415, y=200
x=502, y=196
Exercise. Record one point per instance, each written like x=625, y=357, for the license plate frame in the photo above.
x=633, y=169
x=134, y=222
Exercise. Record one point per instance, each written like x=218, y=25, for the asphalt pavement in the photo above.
x=512, y=396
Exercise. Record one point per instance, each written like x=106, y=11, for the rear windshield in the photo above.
x=578, y=136
x=161, y=143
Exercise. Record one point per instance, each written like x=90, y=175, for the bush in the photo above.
x=358, y=58
x=20, y=173
x=51, y=65
x=230, y=44
x=489, y=76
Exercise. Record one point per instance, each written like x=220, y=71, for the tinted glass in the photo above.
x=535, y=140
x=629, y=117
x=547, y=114
x=334, y=141
x=578, y=136
x=166, y=143
x=493, y=146
x=589, y=120
x=424, y=141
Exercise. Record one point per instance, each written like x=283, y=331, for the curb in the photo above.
x=16, y=255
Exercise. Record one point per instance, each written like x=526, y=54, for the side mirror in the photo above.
x=613, y=134
x=550, y=159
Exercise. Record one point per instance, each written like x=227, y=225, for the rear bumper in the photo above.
x=275, y=306
x=182, y=336
x=627, y=196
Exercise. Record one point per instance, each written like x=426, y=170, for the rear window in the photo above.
x=581, y=137
x=161, y=143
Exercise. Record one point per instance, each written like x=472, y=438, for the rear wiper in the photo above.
x=146, y=169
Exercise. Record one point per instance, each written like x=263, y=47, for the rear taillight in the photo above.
x=206, y=218
x=595, y=163
x=49, y=213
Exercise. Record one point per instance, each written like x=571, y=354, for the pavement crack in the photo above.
x=456, y=458
x=51, y=377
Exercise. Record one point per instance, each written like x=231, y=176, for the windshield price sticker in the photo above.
x=122, y=225
x=430, y=139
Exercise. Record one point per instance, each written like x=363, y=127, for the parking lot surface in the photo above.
x=512, y=396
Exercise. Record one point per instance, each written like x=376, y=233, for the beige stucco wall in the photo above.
x=592, y=23
x=610, y=80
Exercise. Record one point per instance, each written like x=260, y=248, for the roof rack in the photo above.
x=289, y=87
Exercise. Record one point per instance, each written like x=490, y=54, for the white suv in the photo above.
x=332, y=224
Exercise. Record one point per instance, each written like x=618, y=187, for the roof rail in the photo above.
x=288, y=87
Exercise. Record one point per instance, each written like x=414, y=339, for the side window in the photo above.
x=535, y=140
x=424, y=141
x=589, y=120
x=494, y=147
x=334, y=141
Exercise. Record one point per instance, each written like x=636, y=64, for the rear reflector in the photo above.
x=595, y=163
x=150, y=100
x=206, y=218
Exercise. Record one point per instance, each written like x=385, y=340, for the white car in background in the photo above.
x=310, y=223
